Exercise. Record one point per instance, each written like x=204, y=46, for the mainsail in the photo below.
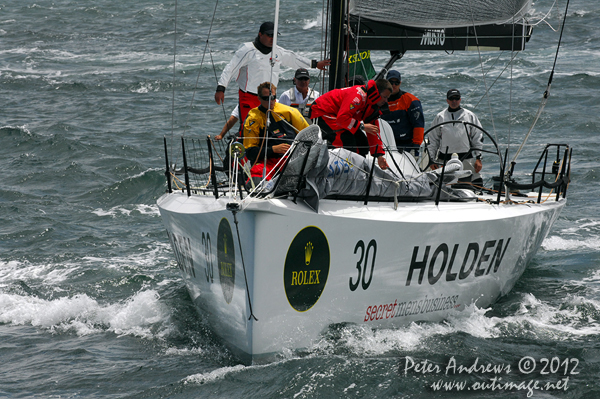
x=430, y=25
x=438, y=14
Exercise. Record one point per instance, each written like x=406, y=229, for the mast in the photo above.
x=337, y=69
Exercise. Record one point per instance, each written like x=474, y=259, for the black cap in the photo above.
x=393, y=74
x=453, y=93
x=356, y=80
x=301, y=73
x=267, y=28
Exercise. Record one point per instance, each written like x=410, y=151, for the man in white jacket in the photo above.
x=301, y=96
x=463, y=139
x=252, y=65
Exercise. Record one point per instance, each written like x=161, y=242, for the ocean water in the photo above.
x=91, y=302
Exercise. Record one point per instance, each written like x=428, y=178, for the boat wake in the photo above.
x=574, y=318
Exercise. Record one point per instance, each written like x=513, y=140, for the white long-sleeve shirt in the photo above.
x=288, y=98
x=253, y=67
x=455, y=136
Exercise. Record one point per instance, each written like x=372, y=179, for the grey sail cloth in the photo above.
x=440, y=14
x=345, y=173
x=341, y=172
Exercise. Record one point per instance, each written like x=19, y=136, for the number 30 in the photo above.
x=362, y=264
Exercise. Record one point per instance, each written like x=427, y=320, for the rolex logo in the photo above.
x=306, y=270
x=308, y=250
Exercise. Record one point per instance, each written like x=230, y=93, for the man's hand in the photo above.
x=219, y=97
x=371, y=129
x=322, y=65
x=478, y=166
x=382, y=162
x=281, y=148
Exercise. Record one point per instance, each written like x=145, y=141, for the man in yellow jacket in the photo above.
x=285, y=123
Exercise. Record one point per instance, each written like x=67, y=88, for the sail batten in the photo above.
x=437, y=14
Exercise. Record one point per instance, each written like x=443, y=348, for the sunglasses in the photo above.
x=268, y=98
x=269, y=35
x=394, y=83
x=455, y=98
x=304, y=78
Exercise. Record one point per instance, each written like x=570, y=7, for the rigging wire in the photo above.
x=325, y=46
x=515, y=54
x=510, y=96
x=543, y=19
x=174, y=76
x=483, y=73
x=273, y=55
x=197, y=78
x=322, y=74
x=547, y=92
x=200, y=70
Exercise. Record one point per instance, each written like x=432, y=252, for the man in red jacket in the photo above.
x=348, y=117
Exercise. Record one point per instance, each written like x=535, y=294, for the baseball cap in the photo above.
x=301, y=73
x=452, y=93
x=356, y=80
x=393, y=74
x=267, y=28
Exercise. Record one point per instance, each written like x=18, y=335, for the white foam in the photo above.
x=22, y=128
x=52, y=274
x=534, y=318
x=184, y=351
x=556, y=243
x=48, y=274
x=582, y=225
x=312, y=23
x=214, y=375
x=126, y=210
x=142, y=315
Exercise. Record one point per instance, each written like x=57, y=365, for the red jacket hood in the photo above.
x=373, y=96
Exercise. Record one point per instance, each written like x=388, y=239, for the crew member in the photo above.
x=405, y=116
x=462, y=139
x=348, y=117
x=252, y=66
x=284, y=123
x=301, y=96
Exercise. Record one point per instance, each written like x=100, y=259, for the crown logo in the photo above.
x=308, y=251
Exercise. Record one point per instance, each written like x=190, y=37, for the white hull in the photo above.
x=348, y=263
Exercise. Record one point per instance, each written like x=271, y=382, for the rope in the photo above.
x=243, y=264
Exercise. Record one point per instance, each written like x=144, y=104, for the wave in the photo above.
x=574, y=318
x=556, y=243
x=315, y=22
x=8, y=131
x=579, y=234
x=140, y=188
x=124, y=210
x=214, y=375
x=142, y=315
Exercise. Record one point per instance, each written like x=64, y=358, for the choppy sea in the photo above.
x=91, y=301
